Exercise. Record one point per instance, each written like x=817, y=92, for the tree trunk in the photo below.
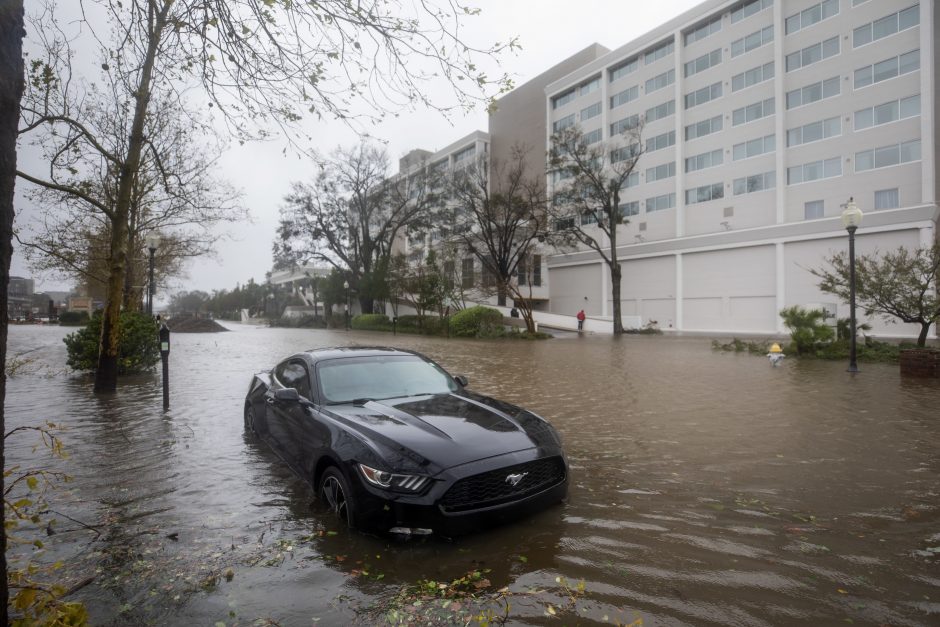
x=924, y=331
x=109, y=347
x=615, y=294
x=11, y=90
x=501, y=296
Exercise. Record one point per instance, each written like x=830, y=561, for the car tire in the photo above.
x=334, y=492
x=250, y=420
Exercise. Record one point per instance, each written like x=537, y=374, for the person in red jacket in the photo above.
x=581, y=318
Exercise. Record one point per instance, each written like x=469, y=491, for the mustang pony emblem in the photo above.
x=514, y=479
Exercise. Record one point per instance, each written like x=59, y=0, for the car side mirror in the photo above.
x=287, y=395
x=462, y=381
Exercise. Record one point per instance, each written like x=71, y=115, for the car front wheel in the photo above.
x=335, y=493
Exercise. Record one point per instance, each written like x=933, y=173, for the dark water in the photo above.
x=707, y=489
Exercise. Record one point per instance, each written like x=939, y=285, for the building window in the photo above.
x=626, y=124
x=813, y=210
x=631, y=208
x=466, y=272
x=563, y=224
x=703, y=128
x=659, y=172
x=565, y=122
x=661, y=141
x=756, y=111
x=663, y=80
x=704, y=160
x=888, y=112
x=591, y=112
x=813, y=92
x=814, y=171
x=704, y=193
x=754, y=183
x=627, y=67
x=658, y=203
x=563, y=99
x=588, y=217
x=886, y=26
x=812, y=15
x=703, y=62
x=624, y=153
x=887, y=156
x=624, y=97
x=753, y=147
x=593, y=137
x=748, y=9
x=887, y=199
x=753, y=41
x=815, y=131
x=703, y=95
x=658, y=52
x=703, y=30
x=813, y=54
x=887, y=69
x=752, y=77
x=661, y=111
x=589, y=86
x=633, y=179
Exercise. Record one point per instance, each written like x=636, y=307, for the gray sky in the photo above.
x=549, y=31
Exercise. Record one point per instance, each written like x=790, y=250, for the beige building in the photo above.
x=761, y=119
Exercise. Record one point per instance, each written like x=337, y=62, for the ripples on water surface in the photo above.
x=707, y=488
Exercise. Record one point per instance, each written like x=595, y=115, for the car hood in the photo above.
x=446, y=430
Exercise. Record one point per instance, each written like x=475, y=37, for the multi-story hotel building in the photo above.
x=761, y=118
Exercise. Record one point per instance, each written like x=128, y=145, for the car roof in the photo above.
x=314, y=355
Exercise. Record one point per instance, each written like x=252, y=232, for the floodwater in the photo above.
x=707, y=488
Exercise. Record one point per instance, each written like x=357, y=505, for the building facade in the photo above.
x=760, y=120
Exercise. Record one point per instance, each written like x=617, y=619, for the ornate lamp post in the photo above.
x=152, y=242
x=851, y=219
x=346, y=287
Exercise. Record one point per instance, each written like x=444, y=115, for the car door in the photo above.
x=298, y=417
x=282, y=415
x=316, y=433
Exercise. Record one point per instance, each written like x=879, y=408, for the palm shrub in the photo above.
x=477, y=321
x=808, y=328
x=138, y=344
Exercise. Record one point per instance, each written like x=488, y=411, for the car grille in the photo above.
x=494, y=488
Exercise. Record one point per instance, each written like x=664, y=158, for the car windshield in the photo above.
x=380, y=377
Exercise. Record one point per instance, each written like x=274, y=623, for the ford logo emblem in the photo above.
x=514, y=479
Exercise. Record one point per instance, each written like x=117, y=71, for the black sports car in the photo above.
x=392, y=442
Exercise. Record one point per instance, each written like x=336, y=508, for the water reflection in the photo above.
x=707, y=488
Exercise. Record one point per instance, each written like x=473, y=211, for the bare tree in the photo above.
x=350, y=217
x=897, y=285
x=259, y=63
x=11, y=89
x=174, y=193
x=499, y=217
x=590, y=180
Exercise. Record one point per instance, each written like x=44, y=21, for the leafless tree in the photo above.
x=350, y=217
x=498, y=219
x=589, y=183
x=263, y=65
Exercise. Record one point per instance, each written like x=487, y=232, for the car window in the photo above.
x=381, y=377
x=293, y=374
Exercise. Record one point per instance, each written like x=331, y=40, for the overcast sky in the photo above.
x=548, y=30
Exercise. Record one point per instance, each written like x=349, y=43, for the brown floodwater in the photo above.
x=707, y=488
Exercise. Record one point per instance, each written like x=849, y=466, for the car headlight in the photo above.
x=392, y=481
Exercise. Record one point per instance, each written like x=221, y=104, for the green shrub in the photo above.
x=477, y=321
x=139, y=350
x=303, y=322
x=372, y=322
x=808, y=329
x=73, y=318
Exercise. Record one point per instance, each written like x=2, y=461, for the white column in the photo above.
x=605, y=288
x=781, y=285
x=928, y=99
x=679, y=293
x=680, y=133
x=780, y=108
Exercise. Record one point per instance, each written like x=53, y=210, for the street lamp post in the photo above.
x=851, y=219
x=153, y=242
x=346, y=287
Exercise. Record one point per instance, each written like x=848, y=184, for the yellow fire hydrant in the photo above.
x=776, y=355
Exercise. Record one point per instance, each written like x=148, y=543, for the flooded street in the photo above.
x=707, y=488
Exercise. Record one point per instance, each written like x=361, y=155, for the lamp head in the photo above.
x=345, y=285
x=851, y=215
x=152, y=241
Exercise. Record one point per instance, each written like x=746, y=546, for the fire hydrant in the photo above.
x=775, y=355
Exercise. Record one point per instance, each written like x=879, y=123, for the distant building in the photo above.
x=81, y=303
x=19, y=297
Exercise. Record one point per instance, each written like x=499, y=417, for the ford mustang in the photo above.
x=391, y=442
